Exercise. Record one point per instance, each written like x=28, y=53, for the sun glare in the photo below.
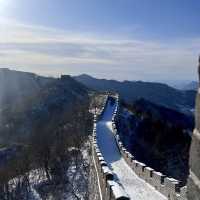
x=3, y=2
x=4, y=5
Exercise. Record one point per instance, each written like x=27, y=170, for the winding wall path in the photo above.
x=136, y=188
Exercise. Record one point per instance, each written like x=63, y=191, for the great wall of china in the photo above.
x=110, y=189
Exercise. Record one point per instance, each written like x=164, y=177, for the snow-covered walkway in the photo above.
x=136, y=188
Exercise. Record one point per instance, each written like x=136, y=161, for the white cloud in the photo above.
x=52, y=51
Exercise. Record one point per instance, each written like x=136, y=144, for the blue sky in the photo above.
x=118, y=39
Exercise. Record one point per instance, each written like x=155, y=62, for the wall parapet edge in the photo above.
x=169, y=187
x=110, y=189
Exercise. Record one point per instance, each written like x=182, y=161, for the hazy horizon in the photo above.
x=172, y=83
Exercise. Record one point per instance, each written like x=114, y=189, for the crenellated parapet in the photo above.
x=169, y=187
x=194, y=177
x=109, y=188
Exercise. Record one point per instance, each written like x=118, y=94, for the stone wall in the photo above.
x=165, y=185
x=194, y=178
x=109, y=188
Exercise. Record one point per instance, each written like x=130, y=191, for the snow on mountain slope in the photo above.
x=135, y=187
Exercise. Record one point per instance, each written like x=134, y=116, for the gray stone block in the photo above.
x=195, y=153
x=140, y=169
x=148, y=174
x=172, y=187
x=193, y=190
x=158, y=180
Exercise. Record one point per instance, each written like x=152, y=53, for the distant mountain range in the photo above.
x=184, y=85
x=158, y=93
x=27, y=100
x=191, y=86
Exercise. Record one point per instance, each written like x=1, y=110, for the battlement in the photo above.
x=110, y=189
x=167, y=186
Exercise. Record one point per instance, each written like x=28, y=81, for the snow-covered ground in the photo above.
x=135, y=187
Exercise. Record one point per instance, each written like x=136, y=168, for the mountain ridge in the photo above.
x=158, y=93
x=28, y=100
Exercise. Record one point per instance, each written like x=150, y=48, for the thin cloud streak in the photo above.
x=36, y=47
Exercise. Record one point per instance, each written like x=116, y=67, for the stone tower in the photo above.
x=194, y=178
